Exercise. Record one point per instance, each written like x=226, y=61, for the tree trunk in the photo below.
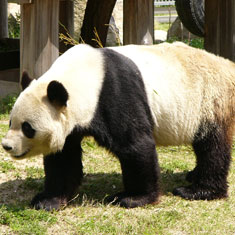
x=3, y=19
x=66, y=20
x=138, y=27
x=220, y=27
x=97, y=16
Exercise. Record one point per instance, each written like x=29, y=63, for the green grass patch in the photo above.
x=196, y=42
x=34, y=178
x=3, y=130
x=34, y=172
x=22, y=220
x=6, y=166
x=161, y=26
x=6, y=105
x=4, y=116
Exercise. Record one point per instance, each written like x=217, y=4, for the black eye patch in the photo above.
x=28, y=130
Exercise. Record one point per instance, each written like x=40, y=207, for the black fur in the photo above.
x=25, y=80
x=213, y=152
x=123, y=124
x=28, y=131
x=63, y=175
x=57, y=93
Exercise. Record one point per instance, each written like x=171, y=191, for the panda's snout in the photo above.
x=6, y=147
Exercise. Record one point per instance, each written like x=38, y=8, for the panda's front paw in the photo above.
x=195, y=192
x=131, y=201
x=43, y=201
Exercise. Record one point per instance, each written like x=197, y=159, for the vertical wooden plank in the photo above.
x=66, y=20
x=39, y=36
x=3, y=19
x=212, y=25
x=227, y=43
x=138, y=25
x=220, y=27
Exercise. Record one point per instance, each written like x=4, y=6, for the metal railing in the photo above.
x=164, y=3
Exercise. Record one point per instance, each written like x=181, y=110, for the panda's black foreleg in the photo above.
x=140, y=173
x=209, y=178
x=63, y=175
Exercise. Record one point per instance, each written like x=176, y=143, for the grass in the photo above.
x=161, y=26
x=88, y=214
x=6, y=105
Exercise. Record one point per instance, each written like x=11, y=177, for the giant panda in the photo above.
x=130, y=99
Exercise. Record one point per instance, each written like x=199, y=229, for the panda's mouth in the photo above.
x=21, y=155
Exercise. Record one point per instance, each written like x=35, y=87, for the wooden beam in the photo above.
x=20, y=1
x=39, y=41
x=3, y=19
x=220, y=27
x=138, y=26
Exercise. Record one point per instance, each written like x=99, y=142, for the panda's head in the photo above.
x=37, y=121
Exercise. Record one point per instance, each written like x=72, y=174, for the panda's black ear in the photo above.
x=57, y=93
x=25, y=80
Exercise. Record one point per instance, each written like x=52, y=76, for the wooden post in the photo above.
x=220, y=27
x=97, y=16
x=39, y=41
x=138, y=25
x=3, y=19
x=66, y=20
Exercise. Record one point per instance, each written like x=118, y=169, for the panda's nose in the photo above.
x=6, y=147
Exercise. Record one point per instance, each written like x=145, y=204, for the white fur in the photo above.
x=176, y=119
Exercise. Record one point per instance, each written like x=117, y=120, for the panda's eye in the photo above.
x=28, y=130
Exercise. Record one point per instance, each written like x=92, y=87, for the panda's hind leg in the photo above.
x=63, y=175
x=213, y=152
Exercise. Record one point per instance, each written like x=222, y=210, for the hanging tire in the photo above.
x=192, y=15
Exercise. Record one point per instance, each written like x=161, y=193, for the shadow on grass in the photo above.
x=95, y=187
x=18, y=193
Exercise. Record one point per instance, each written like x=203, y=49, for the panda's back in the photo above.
x=182, y=85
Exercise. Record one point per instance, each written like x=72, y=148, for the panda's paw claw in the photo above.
x=45, y=202
x=193, y=192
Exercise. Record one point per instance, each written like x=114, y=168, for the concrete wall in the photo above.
x=7, y=88
x=8, y=83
